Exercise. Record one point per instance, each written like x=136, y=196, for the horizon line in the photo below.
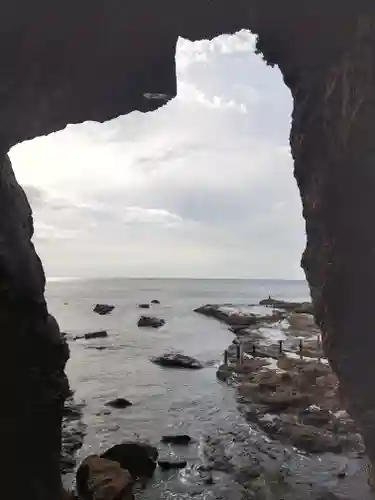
x=87, y=278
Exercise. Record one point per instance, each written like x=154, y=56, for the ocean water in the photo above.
x=164, y=400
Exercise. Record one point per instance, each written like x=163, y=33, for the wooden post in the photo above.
x=226, y=357
x=319, y=342
x=319, y=347
x=280, y=346
x=254, y=349
x=301, y=348
x=238, y=352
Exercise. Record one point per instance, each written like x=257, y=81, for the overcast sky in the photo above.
x=203, y=187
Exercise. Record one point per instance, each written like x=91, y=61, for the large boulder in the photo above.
x=103, y=309
x=176, y=360
x=150, y=322
x=224, y=372
x=136, y=457
x=101, y=479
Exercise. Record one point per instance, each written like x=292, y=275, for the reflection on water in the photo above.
x=177, y=401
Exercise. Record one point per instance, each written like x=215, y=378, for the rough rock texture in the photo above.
x=32, y=381
x=102, y=479
x=136, y=457
x=66, y=62
x=331, y=77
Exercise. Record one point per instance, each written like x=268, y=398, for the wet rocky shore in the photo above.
x=286, y=389
x=294, y=439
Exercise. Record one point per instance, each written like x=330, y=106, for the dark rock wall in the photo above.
x=33, y=385
x=334, y=150
x=331, y=74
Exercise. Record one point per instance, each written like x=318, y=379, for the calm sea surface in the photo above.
x=164, y=400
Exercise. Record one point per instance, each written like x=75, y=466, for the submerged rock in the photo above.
x=150, y=322
x=172, y=464
x=103, y=479
x=119, y=403
x=181, y=439
x=96, y=335
x=176, y=360
x=155, y=301
x=92, y=335
x=103, y=309
x=224, y=372
x=136, y=457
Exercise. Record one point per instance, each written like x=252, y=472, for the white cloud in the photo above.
x=201, y=187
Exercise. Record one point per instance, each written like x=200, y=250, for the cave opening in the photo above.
x=331, y=80
x=204, y=180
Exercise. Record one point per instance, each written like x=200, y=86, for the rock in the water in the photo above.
x=297, y=307
x=172, y=464
x=136, y=457
x=176, y=360
x=177, y=439
x=144, y=306
x=96, y=335
x=224, y=372
x=155, y=301
x=151, y=322
x=234, y=319
x=119, y=403
x=102, y=479
x=103, y=309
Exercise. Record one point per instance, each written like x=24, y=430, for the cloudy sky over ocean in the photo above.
x=203, y=187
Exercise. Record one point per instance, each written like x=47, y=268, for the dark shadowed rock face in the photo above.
x=33, y=385
x=136, y=457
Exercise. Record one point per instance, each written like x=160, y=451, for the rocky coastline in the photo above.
x=288, y=397
x=285, y=388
